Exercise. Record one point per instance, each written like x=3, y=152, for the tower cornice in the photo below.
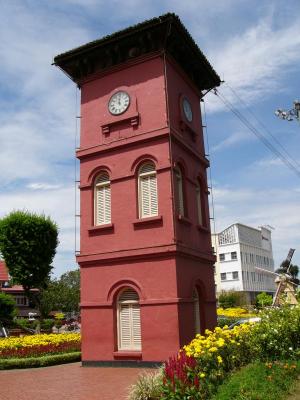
x=164, y=34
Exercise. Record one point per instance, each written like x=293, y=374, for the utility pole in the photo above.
x=290, y=115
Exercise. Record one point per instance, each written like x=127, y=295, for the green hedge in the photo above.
x=45, y=361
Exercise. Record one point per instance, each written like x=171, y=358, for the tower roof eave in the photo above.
x=164, y=33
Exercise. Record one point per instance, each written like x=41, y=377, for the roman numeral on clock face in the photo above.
x=119, y=103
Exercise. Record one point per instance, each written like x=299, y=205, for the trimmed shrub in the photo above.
x=47, y=324
x=263, y=300
x=230, y=298
x=45, y=361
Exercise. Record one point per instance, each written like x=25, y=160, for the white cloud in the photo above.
x=42, y=186
x=255, y=62
x=233, y=140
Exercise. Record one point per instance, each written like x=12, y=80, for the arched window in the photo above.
x=129, y=321
x=199, y=204
x=179, y=191
x=102, y=199
x=196, y=311
x=147, y=188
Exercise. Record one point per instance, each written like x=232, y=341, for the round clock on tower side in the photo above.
x=119, y=103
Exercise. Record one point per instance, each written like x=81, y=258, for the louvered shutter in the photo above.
x=196, y=312
x=136, y=326
x=199, y=204
x=179, y=191
x=148, y=191
x=103, y=200
x=129, y=321
x=125, y=332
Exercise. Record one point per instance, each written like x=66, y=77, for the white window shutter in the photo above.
x=136, y=326
x=148, y=202
x=145, y=197
x=103, y=200
x=179, y=191
x=129, y=321
x=199, y=204
x=196, y=312
x=125, y=332
x=153, y=195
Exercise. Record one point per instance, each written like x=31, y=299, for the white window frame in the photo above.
x=149, y=179
x=237, y=275
x=223, y=276
x=102, y=183
x=197, y=320
x=179, y=194
x=135, y=341
x=199, y=204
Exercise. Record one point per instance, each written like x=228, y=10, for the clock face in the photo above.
x=187, y=109
x=118, y=103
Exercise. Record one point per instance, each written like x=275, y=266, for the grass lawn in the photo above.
x=262, y=381
x=296, y=392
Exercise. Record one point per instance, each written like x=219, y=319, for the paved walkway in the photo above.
x=67, y=382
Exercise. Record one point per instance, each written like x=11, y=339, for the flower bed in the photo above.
x=201, y=366
x=39, y=345
x=205, y=362
x=235, y=312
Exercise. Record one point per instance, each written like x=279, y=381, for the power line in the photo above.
x=261, y=137
x=267, y=130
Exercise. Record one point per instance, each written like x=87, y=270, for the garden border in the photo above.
x=43, y=361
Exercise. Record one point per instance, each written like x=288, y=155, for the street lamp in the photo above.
x=290, y=115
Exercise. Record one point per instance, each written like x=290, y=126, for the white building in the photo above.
x=239, y=250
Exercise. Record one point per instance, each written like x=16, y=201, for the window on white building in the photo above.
x=223, y=276
x=233, y=255
x=102, y=199
x=148, y=203
x=129, y=321
x=222, y=257
x=235, y=275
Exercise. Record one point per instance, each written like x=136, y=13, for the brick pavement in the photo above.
x=69, y=381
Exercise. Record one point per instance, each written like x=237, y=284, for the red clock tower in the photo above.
x=147, y=280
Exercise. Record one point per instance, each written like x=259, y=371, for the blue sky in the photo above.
x=253, y=45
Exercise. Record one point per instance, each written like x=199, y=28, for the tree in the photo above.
x=230, y=298
x=7, y=308
x=293, y=270
x=263, y=300
x=62, y=294
x=28, y=244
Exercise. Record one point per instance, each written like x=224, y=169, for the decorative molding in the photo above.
x=147, y=221
x=100, y=228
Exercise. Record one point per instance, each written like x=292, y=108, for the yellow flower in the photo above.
x=202, y=375
x=220, y=359
x=212, y=349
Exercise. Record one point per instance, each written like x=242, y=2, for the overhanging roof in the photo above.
x=164, y=33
